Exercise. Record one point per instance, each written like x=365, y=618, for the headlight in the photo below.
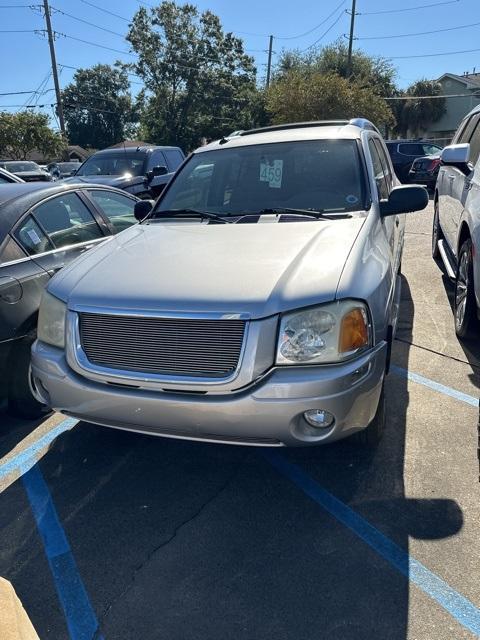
x=51, y=320
x=327, y=333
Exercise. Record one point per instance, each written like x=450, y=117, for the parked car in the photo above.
x=42, y=228
x=28, y=171
x=255, y=304
x=60, y=170
x=425, y=169
x=456, y=222
x=7, y=178
x=404, y=152
x=143, y=171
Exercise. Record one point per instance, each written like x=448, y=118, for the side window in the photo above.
x=384, y=159
x=32, y=238
x=157, y=159
x=174, y=158
x=410, y=149
x=11, y=251
x=117, y=208
x=467, y=132
x=67, y=221
x=378, y=171
x=475, y=144
x=460, y=130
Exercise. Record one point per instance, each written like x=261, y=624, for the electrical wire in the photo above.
x=306, y=33
x=434, y=55
x=474, y=94
x=419, y=33
x=110, y=13
x=91, y=24
x=93, y=44
x=342, y=13
x=421, y=6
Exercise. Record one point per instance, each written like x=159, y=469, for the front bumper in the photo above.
x=268, y=412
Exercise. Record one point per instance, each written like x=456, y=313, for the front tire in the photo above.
x=465, y=305
x=371, y=436
x=21, y=401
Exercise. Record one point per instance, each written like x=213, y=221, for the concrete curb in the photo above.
x=14, y=621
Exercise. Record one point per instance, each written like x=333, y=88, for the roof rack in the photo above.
x=363, y=123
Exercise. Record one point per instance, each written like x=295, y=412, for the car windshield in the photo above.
x=15, y=167
x=323, y=175
x=68, y=166
x=113, y=164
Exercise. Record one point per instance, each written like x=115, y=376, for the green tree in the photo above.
x=311, y=95
x=26, y=131
x=374, y=72
x=199, y=82
x=98, y=107
x=414, y=116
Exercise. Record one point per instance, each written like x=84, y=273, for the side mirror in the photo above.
x=456, y=155
x=159, y=170
x=142, y=209
x=404, y=199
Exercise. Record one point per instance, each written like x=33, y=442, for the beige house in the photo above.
x=463, y=95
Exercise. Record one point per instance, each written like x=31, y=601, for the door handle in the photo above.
x=397, y=222
x=450, y=177
x=468, y=186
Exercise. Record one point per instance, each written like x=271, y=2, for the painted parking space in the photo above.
x=187, y=540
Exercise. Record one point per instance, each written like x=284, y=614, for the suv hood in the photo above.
x=257, y=269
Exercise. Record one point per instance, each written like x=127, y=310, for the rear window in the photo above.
x=324, y=175
x=411, y=149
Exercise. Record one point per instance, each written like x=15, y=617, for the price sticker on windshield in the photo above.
x=272, y=173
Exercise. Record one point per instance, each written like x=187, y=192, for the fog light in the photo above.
x=319, y=418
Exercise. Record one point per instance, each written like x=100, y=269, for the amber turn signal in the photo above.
x=353, y=331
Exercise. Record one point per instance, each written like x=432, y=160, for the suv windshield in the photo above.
x=324, y=175
x=113, y=164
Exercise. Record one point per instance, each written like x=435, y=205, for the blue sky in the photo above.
x=26, y=62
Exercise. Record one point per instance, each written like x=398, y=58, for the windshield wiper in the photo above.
x=313, y=213
x=189, y=213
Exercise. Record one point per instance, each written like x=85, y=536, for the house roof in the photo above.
x=471, y=80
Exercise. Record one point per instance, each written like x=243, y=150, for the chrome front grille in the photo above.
x=192, y=347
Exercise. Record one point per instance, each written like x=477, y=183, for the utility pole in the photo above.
x=51, y=44
x=350, y=40
x=269, y=64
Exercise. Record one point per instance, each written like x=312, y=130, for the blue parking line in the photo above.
x=80, y=617
x=27, y=458
x=459, y=607
x=436, y=386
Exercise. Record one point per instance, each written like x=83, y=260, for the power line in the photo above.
x=452, y=95
x=419, y=33
x=93, y=44
x=110, y=13
x=342, y=13
x=306, y=33
x=434, y=55
x=39, y=31
x=421, y=6
x=91, y=24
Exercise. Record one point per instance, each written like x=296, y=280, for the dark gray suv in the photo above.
x=142, y=171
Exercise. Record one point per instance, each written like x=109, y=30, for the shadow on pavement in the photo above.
x=188, y=541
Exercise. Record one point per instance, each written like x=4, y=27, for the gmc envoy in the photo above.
x=255, y=303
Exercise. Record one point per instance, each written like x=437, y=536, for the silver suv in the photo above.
x=256, y=302
x=456, y=223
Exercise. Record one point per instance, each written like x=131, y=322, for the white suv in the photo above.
x=456, y=223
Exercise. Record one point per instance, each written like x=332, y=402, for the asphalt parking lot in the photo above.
x=122, y=536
